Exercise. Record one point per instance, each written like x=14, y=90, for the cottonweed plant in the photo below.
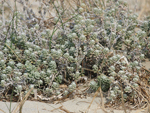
x=101, y=40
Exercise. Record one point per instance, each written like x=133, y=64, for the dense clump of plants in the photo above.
x=103, y=41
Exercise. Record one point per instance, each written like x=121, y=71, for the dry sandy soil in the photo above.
x=76, y=105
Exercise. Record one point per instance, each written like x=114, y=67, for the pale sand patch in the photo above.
x=146, y=63
x=76, y=105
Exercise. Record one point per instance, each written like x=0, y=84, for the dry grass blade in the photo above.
x=22, y=102
x=143, y=9
x=140, y=110
x=95, y=95
x=146, y=69
x=102, y=108
x=55, y=109
x=70, y=4
x=123, y=100
x=102, y=101
x=64, y=109
x=61, y=108
x=147, y=109
x=13, y=52
x=2, y=111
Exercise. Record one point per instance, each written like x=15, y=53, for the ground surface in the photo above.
x=76, y=105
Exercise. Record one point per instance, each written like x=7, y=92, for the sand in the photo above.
x=76, y=105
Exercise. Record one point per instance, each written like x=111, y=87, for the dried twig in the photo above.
x=22, y=102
